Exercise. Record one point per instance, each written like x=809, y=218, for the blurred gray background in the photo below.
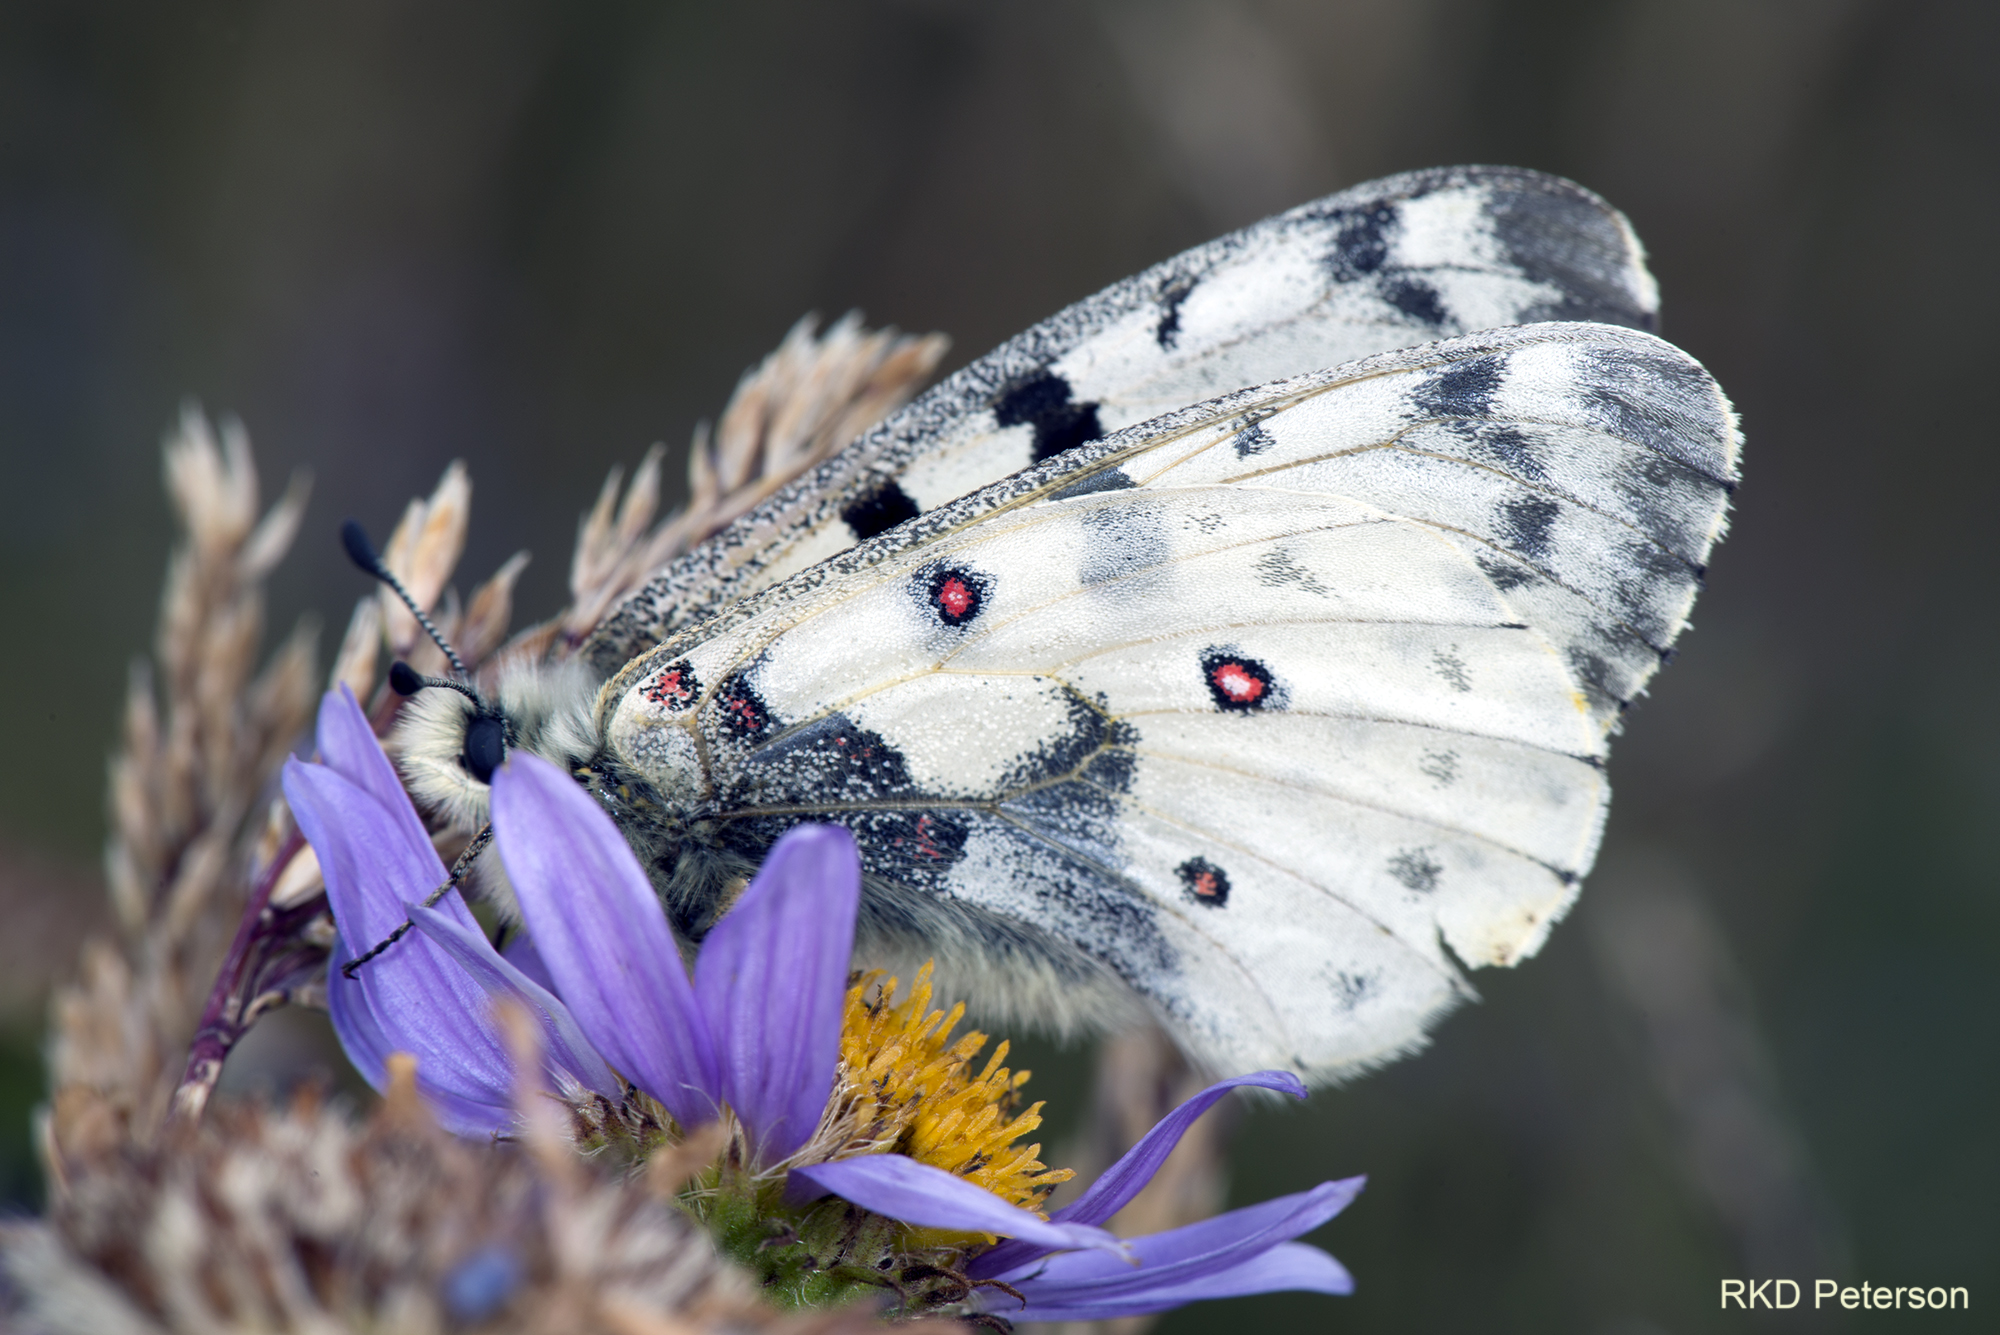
x=540, y=236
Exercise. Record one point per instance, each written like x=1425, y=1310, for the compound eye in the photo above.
x=485, y=746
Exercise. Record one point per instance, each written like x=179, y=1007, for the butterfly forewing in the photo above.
x=1270, y=707
x=1393, y=263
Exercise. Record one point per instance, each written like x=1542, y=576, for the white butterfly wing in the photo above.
x=1393, y=263
x=1275, y=708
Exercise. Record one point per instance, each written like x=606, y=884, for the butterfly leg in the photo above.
x=459, y=867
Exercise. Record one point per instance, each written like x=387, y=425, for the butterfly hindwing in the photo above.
x=1275, y=708
x=1406, y=260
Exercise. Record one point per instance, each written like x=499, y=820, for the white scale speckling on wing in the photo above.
x=1390, y=264
x=1269, y=707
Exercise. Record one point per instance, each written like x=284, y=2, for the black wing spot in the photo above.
x=1447, y=664
x=1172, y=294
x=742, y=713
x=1120, y=541
x=1512, y=448
x=1063, y=753
x=913, y=848
x=1506, y=575
x=1351, y=989
x=1415, y=869
x=1109, y=479
x=1466, y=390
x=1569, y=242
x=1206, y=883
x=1597, y=672
x=1658, y=401
x=1362, y=245
x=1252, y=439
x=1043, y=401
x=879, y=511
x=932, y=840
x=1526, y=523
x=676, y=687
x=1235, y=682
x=955, y=595
x=1414, y=298
x=1441, y=766
x=829, y=760
x=918, y=848
x=1112, y=770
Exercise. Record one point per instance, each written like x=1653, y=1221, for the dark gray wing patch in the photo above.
x=1576, y=245
x=1361, y=241
x=1463, y=389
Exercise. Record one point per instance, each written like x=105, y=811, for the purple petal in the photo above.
x=374, y=860
x=361, y=1038
x=1180, y=1256
x=1135, y=1168
x=603, y=935
x=521, y=953
x=1289, y=1266
x=771, y=980
x=413, y=997
x=475, y=1108
x=928, y=1197
x=348, y=747
x=568, y=1050
x=1119, y=1183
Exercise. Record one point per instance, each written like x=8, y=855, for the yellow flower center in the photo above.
x=907, y=1088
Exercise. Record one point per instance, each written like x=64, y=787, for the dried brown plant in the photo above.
x=190, y=788
x=785, y=415
x=303, y=1220
x=422, y=553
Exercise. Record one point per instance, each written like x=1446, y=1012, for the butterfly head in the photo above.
x=451, y=738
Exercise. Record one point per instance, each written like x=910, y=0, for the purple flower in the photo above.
x=758, y=1028
x=429, y=994
x=1240, y=1252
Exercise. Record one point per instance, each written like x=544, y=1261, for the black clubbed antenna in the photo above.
x=362, y=552
x=406, y=680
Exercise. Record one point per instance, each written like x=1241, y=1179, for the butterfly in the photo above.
x=1239, y=647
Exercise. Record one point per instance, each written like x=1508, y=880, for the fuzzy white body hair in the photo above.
x=547, y=710
x=1007, y=979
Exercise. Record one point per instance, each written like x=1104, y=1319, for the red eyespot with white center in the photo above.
x=955, y=600
x=955, y=595
x=1235, y=682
